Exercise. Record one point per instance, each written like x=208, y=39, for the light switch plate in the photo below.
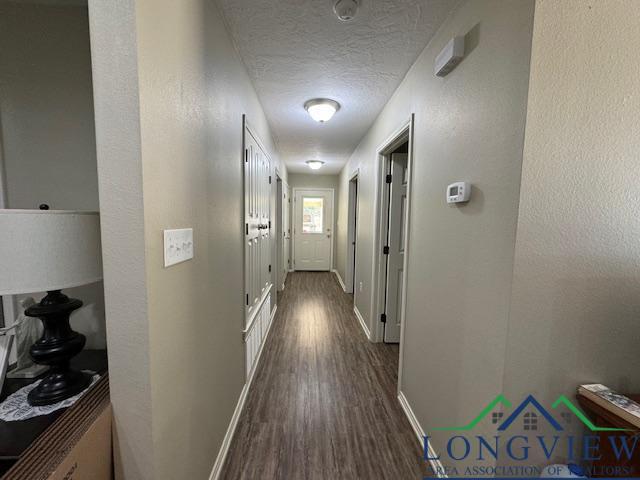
x=178, y=246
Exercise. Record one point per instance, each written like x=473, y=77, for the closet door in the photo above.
x=257, y=208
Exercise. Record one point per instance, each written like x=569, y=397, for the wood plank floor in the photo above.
x=323, y=404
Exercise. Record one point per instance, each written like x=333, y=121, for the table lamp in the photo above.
x=47, y=251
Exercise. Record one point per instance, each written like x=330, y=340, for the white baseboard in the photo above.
x=231, y=430
x=340, y=281
x=436, y=465
x=362, y=323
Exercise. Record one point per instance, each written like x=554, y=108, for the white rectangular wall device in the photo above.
x=178, y=246
x=450, y=56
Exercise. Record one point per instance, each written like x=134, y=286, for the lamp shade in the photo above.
x=42, y=250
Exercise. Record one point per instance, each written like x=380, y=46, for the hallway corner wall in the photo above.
x=469, y=126
x=575, y=302
x=174, y=79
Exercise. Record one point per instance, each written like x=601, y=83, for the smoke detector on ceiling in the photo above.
x=345, y=10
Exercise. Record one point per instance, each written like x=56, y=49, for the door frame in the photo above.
x=279, y=228
x=247, y=321
x=294, y=220
x=281, y=273
x=9, y=302
x=401, y=135
x=352, y=234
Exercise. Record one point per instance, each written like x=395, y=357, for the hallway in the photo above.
x=323, y=404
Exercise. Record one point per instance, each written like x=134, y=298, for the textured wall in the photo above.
x=115, y=84
x=47, y=126
x=468, y=126
x=576, y=303
x=192, y=93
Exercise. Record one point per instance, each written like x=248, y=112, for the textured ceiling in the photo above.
x=296, y=50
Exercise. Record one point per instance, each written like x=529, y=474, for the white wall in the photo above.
x=170, y=95
x=468, y=126
x=575, y=307
x=309, y=180
x=47, y=125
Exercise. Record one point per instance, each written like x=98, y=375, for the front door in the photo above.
x=395, y=240
x=313, y=229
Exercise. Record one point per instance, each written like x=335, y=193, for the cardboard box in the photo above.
x=91, y=457
x=77, y=446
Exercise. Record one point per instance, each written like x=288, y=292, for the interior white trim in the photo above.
x=231, y=430
x=252, y=318
x=403, y=133
x=9, y=302
x=362, y=322
x=333, y=221
x=264, y=341
x=352, y=233
x=340, y=281
x=436, y=465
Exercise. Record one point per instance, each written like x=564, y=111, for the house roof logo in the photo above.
x=528, y=404
x=530, y=401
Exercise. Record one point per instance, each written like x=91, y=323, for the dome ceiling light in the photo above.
x=315, y=164
x=322, y=109
x=345, y=10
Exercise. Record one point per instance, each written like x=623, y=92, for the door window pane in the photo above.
x=312, y=208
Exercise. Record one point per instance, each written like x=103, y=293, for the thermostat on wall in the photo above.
x=458, y=192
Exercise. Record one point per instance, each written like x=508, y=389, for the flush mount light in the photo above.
x=345, y=10
x=322, y=109
x=315, y=164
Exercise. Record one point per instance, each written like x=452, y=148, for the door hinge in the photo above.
x=389, y=177
x=269, y=179
x=246, y=155
x=269, y=268
x=269, y=224
x=246, y=227
x=383, y=318
x=385, y=250
x=247, y=299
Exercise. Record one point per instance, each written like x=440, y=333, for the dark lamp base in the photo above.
x=57, y=346
x=56, y=387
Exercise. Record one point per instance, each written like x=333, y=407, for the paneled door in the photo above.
x=395, y=240
x=257, y=192
x=313, y=229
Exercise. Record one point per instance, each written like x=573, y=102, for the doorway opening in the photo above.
x=313, y=229
x=391, y=243
x=283, y=233
x=352, y=236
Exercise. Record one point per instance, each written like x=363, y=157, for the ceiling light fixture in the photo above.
x=322, y=109
x=315, y=164
x=345, y=10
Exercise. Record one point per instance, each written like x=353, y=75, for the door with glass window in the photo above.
x=313, y=229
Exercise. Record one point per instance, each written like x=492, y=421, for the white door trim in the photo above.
x=293, y=217
x=9, y=303
x=403, y=133
x=352, y=236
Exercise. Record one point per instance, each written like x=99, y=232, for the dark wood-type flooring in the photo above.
x=323, y=404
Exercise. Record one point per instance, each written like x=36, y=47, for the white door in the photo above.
x=257, y=211
x=395, y=241
x=313, y=229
